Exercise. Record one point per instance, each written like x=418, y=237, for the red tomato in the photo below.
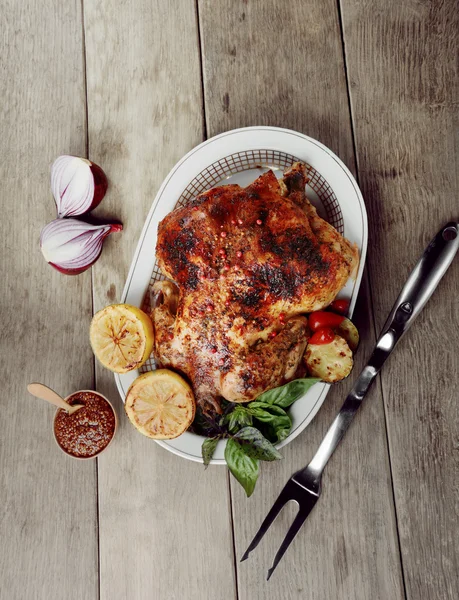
x=321, y=319
x=323, y=336
x=340, y=306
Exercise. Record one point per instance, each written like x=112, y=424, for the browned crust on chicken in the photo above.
x=247, y=263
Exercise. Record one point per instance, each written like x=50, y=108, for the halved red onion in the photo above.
x=72, y=246
x=78, y=185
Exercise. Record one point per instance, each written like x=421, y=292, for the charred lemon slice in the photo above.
x=121, y=337
x=160, y=404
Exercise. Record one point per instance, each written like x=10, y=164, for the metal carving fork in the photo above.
x=304, y=487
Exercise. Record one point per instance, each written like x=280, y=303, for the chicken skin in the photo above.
x=246, y=264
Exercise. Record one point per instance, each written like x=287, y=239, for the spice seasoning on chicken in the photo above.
x=285, y=268
x=87, y=431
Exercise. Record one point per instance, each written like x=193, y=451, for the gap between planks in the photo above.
x=204, y=138
x=86, y=134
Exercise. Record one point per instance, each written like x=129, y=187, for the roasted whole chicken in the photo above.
x=245, y=265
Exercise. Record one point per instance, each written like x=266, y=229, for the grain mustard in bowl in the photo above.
x=88, y=431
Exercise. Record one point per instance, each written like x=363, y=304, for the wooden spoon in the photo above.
x=45, y=393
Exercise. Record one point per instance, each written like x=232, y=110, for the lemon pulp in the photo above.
x=160, y=404
x=121, y=337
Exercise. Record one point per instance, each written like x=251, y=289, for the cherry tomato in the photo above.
x=322, y=336
x=340, y=306
x=321, y=319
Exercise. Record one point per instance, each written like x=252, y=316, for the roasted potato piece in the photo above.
x=347, y=330
x=331, y=362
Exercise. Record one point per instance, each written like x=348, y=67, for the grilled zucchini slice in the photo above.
x=347, y=330
x=331, y=362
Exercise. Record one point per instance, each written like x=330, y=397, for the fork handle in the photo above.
x=420, y=285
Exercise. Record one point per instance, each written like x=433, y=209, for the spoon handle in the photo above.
x=45, y=393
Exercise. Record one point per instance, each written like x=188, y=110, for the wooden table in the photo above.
x=134, y=86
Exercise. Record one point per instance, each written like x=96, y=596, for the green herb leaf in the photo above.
x=237, y=418
x=208, y=449
x=287, y=394
x=265, y=412
x=277, y=424
x=277, y=431
x=244, y=468
x=255, y=445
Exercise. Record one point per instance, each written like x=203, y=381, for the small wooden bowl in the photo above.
x=114, y=430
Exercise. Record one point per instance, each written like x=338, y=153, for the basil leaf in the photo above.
x=237, y=418
x=208, y=449
x=228, y=408
x=255, y=445
x=265, y=412
x=276, y=423
x=287, y=394
x=278, y=430
x=244, y=468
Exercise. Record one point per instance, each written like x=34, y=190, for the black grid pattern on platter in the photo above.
x=236, y=163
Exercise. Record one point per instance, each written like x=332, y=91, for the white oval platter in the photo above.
x=239, y=156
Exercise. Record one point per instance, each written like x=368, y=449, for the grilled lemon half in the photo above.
x=121, y=337
x=160, y=404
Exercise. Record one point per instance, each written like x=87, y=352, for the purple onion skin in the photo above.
x=100, y=185
x=72, y=271
x=115, y=227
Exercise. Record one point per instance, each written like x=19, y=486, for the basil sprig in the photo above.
x=255, y=445
x=287, y=394
x=244, y=468
x=252, y=430
x=208, y=449
x=237, y=418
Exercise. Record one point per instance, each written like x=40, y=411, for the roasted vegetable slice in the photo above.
x=331, y=362
x=347, y=330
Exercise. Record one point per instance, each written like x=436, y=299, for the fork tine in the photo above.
x=281, y=500
x=291, y=533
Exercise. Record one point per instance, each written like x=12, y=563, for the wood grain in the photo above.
x=164, y=522
x=48, y=521
x=281, y=64
x=268, y=63
x=403, y=68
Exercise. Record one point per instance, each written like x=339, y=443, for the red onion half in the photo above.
x=78, y=185
x=72, y=246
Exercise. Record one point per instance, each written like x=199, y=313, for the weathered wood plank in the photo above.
x=48, y=523
x=276, y=63
x=164, y=522
x=404, y=80
x=281, y=64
